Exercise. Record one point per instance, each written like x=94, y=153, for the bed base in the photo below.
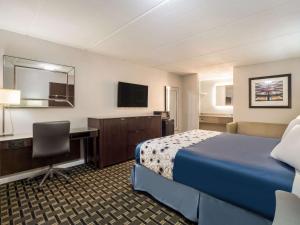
x=192, y=204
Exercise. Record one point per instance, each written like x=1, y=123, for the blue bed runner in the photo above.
x=237, y=169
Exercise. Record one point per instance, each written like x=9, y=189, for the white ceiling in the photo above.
x=180, y=36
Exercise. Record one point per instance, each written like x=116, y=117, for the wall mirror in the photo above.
x=41, y=84
x=224, y=95
x=171, y=103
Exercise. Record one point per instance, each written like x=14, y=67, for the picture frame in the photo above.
x=270, y=91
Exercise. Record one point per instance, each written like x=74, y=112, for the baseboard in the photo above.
x=36, y=172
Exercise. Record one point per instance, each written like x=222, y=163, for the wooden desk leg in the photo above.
x=95, y=155
x=86, y=147
x=91, y=155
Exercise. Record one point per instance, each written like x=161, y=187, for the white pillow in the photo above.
x=287, y=209
x=288, y=150
x=293, y=123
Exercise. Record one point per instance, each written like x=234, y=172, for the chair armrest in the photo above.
x=232, y=127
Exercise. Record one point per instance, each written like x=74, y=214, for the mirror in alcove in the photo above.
x=42, y=84
x=224, y=95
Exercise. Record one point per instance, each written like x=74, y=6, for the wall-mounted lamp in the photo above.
x=8, y=97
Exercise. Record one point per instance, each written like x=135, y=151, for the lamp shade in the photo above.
x=10, y=97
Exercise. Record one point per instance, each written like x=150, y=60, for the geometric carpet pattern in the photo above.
x=90, y=197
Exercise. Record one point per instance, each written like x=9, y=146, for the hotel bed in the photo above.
x=213, y=178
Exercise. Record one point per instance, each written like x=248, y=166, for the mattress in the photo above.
x=231, y=167
x=237, y=169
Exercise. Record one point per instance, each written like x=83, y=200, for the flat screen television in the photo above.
x=132, y=95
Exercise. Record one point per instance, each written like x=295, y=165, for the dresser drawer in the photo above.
x=16, y=144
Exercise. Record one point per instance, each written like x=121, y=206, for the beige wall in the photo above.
x=241, y=74
x=96, y=82
x=190, y=102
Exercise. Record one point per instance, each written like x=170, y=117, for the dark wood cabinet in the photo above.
x=120, y=136
x=167, y=127
x=152, y=130
x=114, y=136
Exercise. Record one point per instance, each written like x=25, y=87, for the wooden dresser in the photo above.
x=120, y=136
x=216, y=122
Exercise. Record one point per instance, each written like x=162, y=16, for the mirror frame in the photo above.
x=66, y=100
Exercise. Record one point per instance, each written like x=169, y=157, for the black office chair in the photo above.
x=51, y=139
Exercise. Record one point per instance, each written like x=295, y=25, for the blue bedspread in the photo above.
x=237, y=169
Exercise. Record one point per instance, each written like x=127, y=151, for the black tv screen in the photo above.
x=132, y=95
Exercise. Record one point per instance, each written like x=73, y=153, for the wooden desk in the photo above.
x=216, y=122
x=16, y=151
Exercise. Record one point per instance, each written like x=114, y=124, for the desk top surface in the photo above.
x=29, y=135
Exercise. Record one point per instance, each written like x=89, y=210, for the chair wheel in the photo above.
x=68, y=181
x=38, y=189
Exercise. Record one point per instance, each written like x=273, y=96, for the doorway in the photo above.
x=172, y=104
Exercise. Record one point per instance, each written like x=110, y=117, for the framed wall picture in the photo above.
x=270, y=91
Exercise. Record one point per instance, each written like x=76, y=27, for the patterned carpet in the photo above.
x=91, y=197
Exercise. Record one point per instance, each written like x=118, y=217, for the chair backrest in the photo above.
x=50, y=138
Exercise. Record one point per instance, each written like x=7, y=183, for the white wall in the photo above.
x=241, y=93
x=190, y=102
x=207, y=95
x=95, y=82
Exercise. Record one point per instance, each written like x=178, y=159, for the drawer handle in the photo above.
x=16, y=144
